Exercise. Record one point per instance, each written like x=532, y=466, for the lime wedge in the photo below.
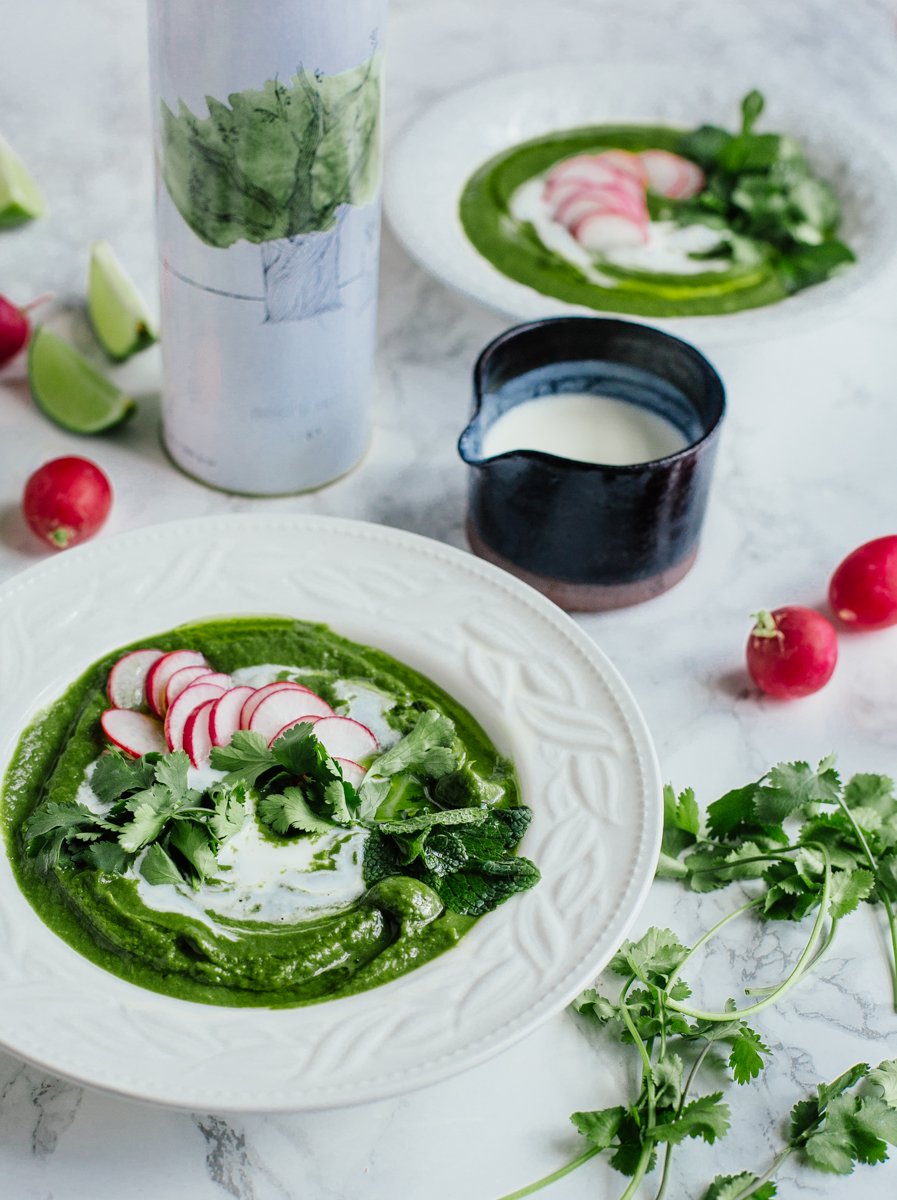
x=20, y=200
x=118, y=312
x=69, y=390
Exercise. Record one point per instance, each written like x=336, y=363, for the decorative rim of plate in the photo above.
x=542, y=689
x=438, y=150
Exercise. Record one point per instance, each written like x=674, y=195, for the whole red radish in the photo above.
x=863, y=590
x=15, y=329
x=66, y=501
x=791, y=652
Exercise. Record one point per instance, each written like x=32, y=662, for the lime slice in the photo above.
x=69, y=390
x=118, y=312
x=20, y=200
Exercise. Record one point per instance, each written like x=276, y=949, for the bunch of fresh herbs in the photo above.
x=763, y=199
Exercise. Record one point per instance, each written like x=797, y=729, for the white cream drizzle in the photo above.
x=260, y=879
x=666, y=252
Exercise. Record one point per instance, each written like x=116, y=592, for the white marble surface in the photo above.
x=805, y=473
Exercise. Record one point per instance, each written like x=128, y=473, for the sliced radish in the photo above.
x=133, y=732
x=197, y=739
x=353, y=772
x=128, y=678
x=608, y=231
x=263, y=693
x=160, y=672
x=342, y=737
x=671, y=175
x=306, y=720
x=217, y=677
x=189, y=700
x=225, y=717
x=283, y=708
x=628, y=163
x=182, y=679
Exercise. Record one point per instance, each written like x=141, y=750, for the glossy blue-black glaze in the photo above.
x=586, y=522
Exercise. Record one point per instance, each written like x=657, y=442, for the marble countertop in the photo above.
x=806, y=472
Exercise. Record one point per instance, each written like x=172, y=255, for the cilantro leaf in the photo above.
x=297, y=749
x=728, y=1187
x=193, y=841
x=158, y=867
x=705, y=1117
x=600, y=1127
x=291, y=811
x=151, y=809
x=427, y=749
x=886, y=876
x=245, y=759
x=108, y=856
x=734, y=812
x=793, y=786
x=115, y=776
x=885, y=1076
x=828, y=1091
x=667, y=1075
x=171, y=772
x=871, y=791
x=593, y=1004
x=654, y=957
x=230, y=811
x=745, y=1059
x=848, y=888
x=334, y=798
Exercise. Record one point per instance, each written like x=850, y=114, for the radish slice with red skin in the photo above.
x=160, y=672
x=190, y=699
x=218, y=678
x=133, y=732
x=342, y=737
x=225, y=716
x=353, y=772
x=261, y=693
x=609, y=231
x=671, y=175
x=602, y=200
x=127, y=678
x=197, y=739
x=628, y=163
x=282, y=708
x=307, y=720
x=181, y=680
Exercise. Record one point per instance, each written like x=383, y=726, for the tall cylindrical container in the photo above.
x=268, y=120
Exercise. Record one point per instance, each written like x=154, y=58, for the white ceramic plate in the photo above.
x=543, y=691
x=436, y=155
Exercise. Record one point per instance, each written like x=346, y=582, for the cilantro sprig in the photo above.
x=851, y=827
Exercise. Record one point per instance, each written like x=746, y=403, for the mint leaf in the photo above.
x=600, y=1127
x=482, y=886
x=291, y=811
x=245, y=759
x=454, y=816
x=705, y=1117
x=158, y=867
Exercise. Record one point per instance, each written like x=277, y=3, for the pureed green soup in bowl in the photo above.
x=683, y=222
x=275, y=869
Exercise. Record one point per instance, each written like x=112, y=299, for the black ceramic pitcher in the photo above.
x=590, y=536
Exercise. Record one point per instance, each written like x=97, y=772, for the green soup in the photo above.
x=514, y=247
x=299, y=957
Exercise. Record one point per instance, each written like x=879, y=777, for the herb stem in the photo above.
x=668, y=1156
x=554, y=1176
x=767, y=1175
x=640, y=1170
x=796, y=975
x=870, y=858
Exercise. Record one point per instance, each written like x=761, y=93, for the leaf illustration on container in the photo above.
x=278, y=168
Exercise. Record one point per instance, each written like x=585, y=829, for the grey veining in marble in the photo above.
x=806, y=472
